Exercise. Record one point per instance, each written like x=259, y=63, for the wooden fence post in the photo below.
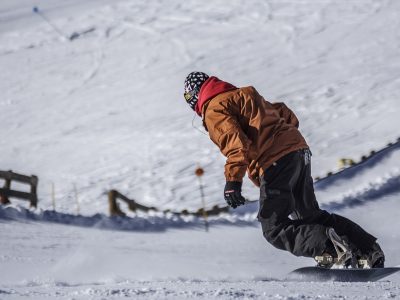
x=200, y=172
x=34, y=183
x=78, y=208
x=3, y=198
x=113, y=205
x=53, y=196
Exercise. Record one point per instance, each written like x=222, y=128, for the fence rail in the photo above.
x=6, y=191
x=115, y=210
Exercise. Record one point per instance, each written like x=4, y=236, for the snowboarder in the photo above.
x=263, y=138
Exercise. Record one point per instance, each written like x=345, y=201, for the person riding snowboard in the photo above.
x=263, y=138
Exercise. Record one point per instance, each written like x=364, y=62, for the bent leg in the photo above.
x=310, y=213
x=287, y=188
x=277, y=202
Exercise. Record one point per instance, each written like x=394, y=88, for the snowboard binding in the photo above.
x=344, y=256
x=347, y=257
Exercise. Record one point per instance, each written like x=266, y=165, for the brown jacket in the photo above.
x=250, y=131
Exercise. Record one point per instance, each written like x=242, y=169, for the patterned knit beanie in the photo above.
x=193, y=84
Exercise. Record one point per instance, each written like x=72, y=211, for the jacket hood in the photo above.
x=211, y=88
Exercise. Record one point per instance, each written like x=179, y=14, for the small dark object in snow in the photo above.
x=199, y=172
x=76, y=35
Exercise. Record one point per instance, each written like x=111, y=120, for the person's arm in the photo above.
x=226, y=133
x=286, y=113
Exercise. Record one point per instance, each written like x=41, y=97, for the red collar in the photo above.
x=211, y=88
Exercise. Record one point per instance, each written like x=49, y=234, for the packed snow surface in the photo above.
x=105, y=111
x=230, y=261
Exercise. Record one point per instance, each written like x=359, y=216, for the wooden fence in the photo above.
x=115, y=210
x=6, y=191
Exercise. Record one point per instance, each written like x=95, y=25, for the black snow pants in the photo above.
x=289, y=213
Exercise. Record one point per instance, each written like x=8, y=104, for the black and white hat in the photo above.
x=193, y=84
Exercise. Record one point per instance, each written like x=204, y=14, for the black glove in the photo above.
x=233, y=194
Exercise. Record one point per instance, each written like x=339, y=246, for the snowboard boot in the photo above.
x=339, y=256
x=374, y=258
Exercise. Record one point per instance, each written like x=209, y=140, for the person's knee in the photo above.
x=271, y=228
x=267, y=225
x=268, y=236
x=269, y=232
x=276, y=237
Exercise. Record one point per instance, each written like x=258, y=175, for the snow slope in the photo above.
x=229, y=262
x=110, y=104
x=106, y=111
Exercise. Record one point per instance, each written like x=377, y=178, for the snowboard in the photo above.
x=320, y=274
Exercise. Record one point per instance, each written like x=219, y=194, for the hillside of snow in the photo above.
x=106, y=111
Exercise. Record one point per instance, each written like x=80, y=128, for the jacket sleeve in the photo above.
x=227, y=134
x=286, y=113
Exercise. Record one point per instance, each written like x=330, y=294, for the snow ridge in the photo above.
x=352, y=171
x=151, y=222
